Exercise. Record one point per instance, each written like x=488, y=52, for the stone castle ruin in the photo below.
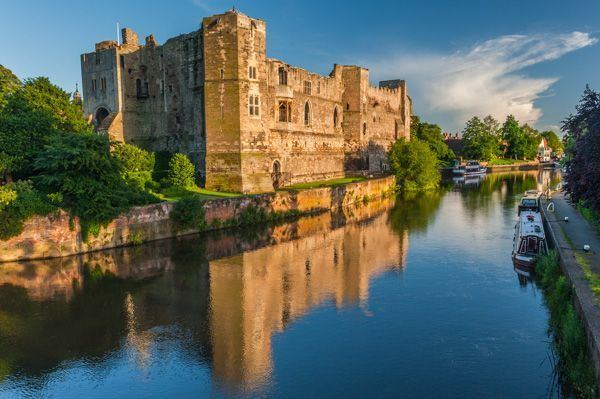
x=248, y=122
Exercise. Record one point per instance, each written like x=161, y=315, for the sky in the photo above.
x=462, y=58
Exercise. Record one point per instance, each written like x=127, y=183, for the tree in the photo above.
x=79, y=169
x=414, y=164
x=553, y=141
x=531, y=141
x=32, y=113
x=583, y=151
x=137, y=164
x=181, y=171
x=512, y=134
x=433, y=136
x=9, y=83
x=480, y=139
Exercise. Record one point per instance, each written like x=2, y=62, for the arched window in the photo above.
x=101, y=114
x=141, y=89
x=285, y=111
x=307, y=118
x=335, y=117
x=365, y=128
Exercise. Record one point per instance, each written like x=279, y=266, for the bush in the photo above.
x=414, y=164
x=188, y=213
x=81, y=168
x=18, y=202
x=569, y=336
x=181, y=171
x=137, y=164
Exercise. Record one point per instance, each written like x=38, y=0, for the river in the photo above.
x=410, y=297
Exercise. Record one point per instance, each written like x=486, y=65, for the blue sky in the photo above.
x=460, y=58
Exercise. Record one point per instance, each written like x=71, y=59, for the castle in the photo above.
x=248, y=122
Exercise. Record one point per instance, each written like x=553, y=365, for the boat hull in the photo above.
x=527, y=262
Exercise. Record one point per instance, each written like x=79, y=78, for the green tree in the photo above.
x=480, y=139
x=553, y=141
x=431, y=134
x=531, y=141
x=30, y=115
x=137, y=164
x=514, y=137
x=80, y=168
x=9, y=83
x=181, y=171
x=415, y=165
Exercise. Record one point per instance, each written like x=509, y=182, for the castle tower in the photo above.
x=235, y=81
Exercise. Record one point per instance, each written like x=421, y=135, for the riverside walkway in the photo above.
x=581, y=268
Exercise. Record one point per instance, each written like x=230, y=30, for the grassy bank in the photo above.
x=177, y=193
x=574, y=365
x=325, y=183
x=506, y=161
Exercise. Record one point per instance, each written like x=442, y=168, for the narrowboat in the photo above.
x=530, y=201
x=529, y=240
x=470, y=168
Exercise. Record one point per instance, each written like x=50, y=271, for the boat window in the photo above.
x=529, y=202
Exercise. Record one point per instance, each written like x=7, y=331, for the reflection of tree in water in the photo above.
x=504, y=188
x=414, y=211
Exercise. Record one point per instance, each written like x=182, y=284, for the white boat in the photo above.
x=529, y=240
x=470, y=168
x=530, y=201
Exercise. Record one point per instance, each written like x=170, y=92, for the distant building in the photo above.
x=455, y=143
x=250, y=123
x=544, y=151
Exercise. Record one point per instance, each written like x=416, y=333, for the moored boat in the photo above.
x=530, y=201
x=529, y=240
x=470, y=168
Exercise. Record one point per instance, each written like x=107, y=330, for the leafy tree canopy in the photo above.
x=415, y=165
x=432, y=134
x=553, y=141
x=481, y=139
x=181, y=171
x=9, y=83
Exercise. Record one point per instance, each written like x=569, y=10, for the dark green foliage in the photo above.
x=583, y=151
x=431, y=134
x=9, y=83
x=253, y=215
x=521, y=141
x=137, y=164
x=181, y=171
x=569, y=336
x=481, y=139
x=18, y=202
x=188, y=213
x=414, y=164
x=81, y=168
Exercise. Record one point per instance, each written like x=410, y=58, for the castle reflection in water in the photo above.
x=223, y=295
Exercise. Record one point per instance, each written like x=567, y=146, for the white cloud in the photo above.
x=487, y=78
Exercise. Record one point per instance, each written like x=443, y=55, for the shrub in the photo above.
x=81, y=168
x=18, y=202
x=414, y=164
x=137, y=164
x=181, y=171
x=188, y=213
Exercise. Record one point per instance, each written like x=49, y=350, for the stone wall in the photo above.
x=56, y=235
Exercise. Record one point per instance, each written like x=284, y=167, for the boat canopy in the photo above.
x=531, y=224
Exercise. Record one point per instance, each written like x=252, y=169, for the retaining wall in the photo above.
x=56, y=235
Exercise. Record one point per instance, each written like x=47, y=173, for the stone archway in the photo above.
x=101, y=114
x=276, y=175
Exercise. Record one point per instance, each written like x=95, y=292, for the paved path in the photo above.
x=578, y=231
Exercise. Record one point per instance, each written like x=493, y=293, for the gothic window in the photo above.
x=307, y=114
x=252, y=72
x=285, y=111
x=347, y=106
x=141, y=89
x=103, y=84
x=254, y=105
x=94, y=85
x=307, y=87
x=335, y=117
x=283, y=76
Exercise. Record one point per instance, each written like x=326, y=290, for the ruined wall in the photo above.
x=55, y=235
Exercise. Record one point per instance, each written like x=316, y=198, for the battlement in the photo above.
x=105, y=45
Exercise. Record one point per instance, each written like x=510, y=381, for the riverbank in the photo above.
x=582, y=269
x=60, y=235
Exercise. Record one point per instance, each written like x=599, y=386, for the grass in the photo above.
x=171, y=194
x=505, y=161
x=590, y=215
x=325, y=183
x=569, y=341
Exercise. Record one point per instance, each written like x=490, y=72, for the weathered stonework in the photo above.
x=249, y=122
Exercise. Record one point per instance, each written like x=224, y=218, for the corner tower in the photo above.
x=235, y=78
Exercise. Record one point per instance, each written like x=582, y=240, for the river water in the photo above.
x=410, y=297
